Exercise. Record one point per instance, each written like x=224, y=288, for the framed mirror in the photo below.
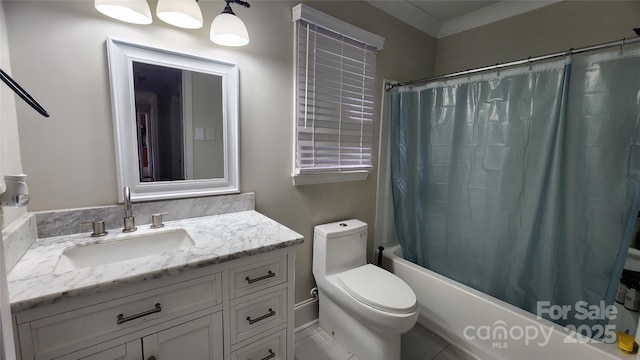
x=175, y=120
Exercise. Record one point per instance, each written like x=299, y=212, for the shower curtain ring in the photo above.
x=529, y=61
x=569, y=52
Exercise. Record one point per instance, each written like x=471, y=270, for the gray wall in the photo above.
x=557, y=27
x=10, y=163
x=58, y=52
x=10, y=160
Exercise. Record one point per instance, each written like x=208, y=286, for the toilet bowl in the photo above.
x=364, y=307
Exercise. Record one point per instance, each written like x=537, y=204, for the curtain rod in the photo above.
x=529, y=60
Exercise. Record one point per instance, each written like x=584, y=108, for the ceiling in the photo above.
x=441, y=18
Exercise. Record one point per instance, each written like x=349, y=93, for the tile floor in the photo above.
x=418, y=344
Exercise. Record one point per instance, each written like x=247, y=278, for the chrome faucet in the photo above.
x=129, y=221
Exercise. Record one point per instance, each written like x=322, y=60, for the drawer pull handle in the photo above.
x=253, y=321
x=270, y=274
x=152, y=357
x=122, y=319
x=270, y=356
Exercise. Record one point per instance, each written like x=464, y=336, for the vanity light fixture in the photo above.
x=181, y=13
x=132, y=11
x=227, y=29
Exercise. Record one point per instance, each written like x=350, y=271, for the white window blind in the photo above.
x=335, y=78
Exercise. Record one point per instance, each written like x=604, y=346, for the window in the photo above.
x=335, y=78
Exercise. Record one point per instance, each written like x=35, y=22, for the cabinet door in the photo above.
x=200, y=339
x=129, y=351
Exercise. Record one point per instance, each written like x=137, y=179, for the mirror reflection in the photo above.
x=179, y=123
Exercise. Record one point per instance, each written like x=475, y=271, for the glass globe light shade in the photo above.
x=131, y=11
x=181, y=13
x=229, y=30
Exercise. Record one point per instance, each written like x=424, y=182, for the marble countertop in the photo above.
x=219, y=238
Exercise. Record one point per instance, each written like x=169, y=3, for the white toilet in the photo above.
x=365, y=308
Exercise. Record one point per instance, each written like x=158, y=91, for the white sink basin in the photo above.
x=131, y=247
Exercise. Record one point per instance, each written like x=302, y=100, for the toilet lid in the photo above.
x=378, y=288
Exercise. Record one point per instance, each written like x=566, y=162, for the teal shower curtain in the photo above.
x=522, y=184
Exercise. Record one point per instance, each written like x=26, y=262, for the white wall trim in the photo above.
x=305, y=313
x=410, y=14
x=309, y=14
x=407, y=12
x=323, y=178
x=490, y=14
x=306, y=326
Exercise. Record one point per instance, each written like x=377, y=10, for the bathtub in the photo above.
x=486, y=327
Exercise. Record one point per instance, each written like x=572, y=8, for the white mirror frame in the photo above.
x=121, y=56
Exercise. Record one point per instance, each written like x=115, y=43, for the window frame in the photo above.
x=317, y=18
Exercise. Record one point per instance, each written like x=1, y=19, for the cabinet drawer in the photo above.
x=272, y=347
x=120, y=316
x=256, y=315
x=258, y=276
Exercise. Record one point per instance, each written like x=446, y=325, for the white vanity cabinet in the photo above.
x=239, y=309
x=196, y=339
x=131, y=350
x=261, y=309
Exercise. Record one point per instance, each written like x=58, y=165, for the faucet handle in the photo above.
x=156, y=220
x=98, y=227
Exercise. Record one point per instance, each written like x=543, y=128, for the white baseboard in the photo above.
x=306, y=313
x=305, y=326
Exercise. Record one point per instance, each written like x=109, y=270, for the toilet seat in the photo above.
x=378, y=288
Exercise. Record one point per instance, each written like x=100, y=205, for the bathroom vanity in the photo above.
x=225, y=290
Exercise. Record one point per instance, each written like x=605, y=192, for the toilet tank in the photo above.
x=339, y=246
